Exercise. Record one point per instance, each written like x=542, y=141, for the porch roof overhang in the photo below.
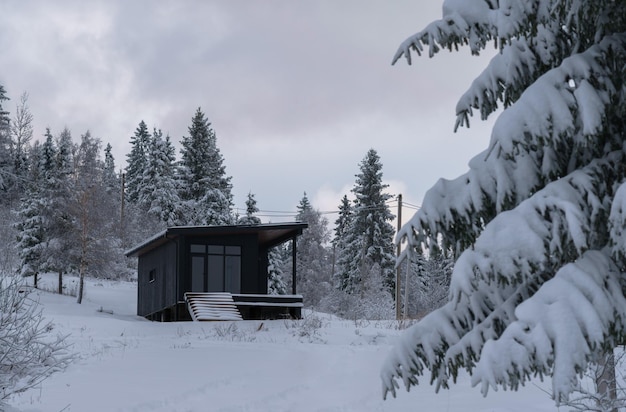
x=269, y=235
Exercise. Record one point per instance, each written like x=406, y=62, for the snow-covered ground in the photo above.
x=320, y=363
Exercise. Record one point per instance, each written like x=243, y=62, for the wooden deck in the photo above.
x=211, y=306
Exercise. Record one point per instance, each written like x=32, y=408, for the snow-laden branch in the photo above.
x=473, y=23
x=559, y=329
x=543, y=136
x=516, y=253
x=531, y=40
x=509, y=73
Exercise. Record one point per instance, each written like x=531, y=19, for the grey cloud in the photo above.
x=288, y=76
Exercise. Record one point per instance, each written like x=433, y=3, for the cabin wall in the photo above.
x=263, y=263
x=156, y=279
x=251, y=280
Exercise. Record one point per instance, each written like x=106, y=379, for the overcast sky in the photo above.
x=296, y=91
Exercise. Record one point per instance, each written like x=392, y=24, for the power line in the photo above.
x=411, y=205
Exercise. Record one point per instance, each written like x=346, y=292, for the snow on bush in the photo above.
x=30, y=351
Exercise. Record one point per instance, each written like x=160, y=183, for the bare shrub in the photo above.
x=29, y=350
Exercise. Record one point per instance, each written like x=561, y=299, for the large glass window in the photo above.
x=215, y=268
x=216, y=274
x=197, y=273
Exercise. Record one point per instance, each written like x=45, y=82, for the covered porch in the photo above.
x=214, y=272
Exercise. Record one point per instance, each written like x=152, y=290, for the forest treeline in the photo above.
x=68, y=207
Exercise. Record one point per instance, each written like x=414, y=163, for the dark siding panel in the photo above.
x=262, y=271
x=153, y=296
x=250, y=264
x=169, y=274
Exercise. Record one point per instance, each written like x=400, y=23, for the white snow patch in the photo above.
x=131, y=364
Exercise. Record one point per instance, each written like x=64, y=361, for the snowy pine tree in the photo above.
x=35, y=213
x=344, y=220
x=251, y=209
x=428, y=283
x=158, y=194
x=275, y=283
x=31, y=234
x=65, y=153
x=368, y=240
x=60, y=231
x=346, y=271
x=111, y=180
x=137, y=161
x=538, y=221
x=6, y=169
x=204, y=187
x=312, y=260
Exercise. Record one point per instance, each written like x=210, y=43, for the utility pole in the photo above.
x=122, y=204
x=398, y=270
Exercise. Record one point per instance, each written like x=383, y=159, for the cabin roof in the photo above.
x=269, y=235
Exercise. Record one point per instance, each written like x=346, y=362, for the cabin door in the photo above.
x=215, y=268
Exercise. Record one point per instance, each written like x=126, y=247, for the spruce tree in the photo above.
x=342, y=255
x=60, y=228
x=136, y=161
x=251, y=210
x=31, y=233
x=312, y=259
x=35, y=213
x=6, y=169
x=111, y=180
x=158, y=194
x=47, y=162
x=368, y=241
x=275, y=283
x=204, y=187
x=65, y=152
x=537, y=223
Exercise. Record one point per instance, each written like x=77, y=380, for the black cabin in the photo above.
x=185, y=261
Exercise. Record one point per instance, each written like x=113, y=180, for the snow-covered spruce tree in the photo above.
x=251, y=209
x=59, y=231
x=538, y=221
x=31, y=235
x=6, y=169
x=65, y=150
x=204, y=187
x=136, y=161
x=29, y=350
x=368, y=240
x=34, y=214
x=312, y=259
x=340, y=243
x=275, y=283
x=428, y=283
x=158, y=194
x=109, y=175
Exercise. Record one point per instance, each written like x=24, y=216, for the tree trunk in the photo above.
x=605, y=383
x=60, y=282
x=35, y=276
x=81, y=283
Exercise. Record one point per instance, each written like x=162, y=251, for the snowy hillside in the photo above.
x=317, y=364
